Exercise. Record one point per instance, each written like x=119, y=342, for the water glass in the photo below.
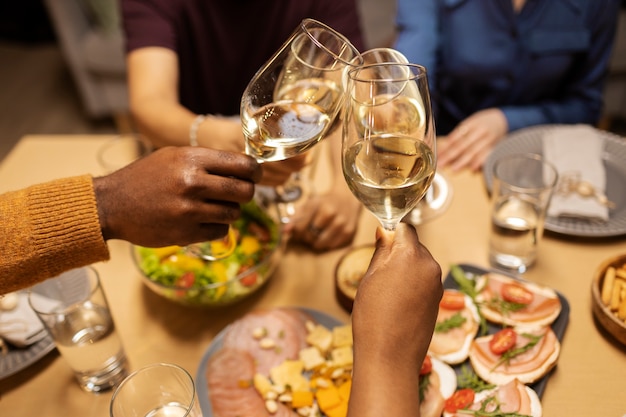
x=522, y=187
x=74, y=310
x=157, y=390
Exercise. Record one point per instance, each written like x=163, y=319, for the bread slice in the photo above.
x=527, y=367
x=542, y=311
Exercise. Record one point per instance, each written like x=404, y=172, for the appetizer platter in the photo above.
x=515, y=328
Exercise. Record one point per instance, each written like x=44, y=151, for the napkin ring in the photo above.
x=571, y=182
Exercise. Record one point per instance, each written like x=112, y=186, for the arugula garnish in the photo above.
x=504, y=307
x=468, y=379
x=454, y=321
x=515, y=351
x=424, y=382
x=482, y=411
x=467, y=286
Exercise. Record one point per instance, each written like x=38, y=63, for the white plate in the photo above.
x=529, y=140
x=201, y=382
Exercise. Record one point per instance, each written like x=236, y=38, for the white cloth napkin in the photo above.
x=20, y=326
x=576, y=152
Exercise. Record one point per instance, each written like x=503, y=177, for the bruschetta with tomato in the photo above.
x=437, y=382
x=456, y=327
x=512, y=399
x=512, y=302
x=525, y=354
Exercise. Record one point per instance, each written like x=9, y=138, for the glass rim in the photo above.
x=419, y=73
x=306, y=25
x=529, y=156
x=126, y=380
x=94, y=276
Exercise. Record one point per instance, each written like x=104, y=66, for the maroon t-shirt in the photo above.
x=222, y=43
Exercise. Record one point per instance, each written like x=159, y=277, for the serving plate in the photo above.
x=17, y=358
x=529, y=140
x=558, y=326
x=201, y=381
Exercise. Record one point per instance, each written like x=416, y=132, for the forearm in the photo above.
x=168, y=124
x=383, y=388
x=47, y=229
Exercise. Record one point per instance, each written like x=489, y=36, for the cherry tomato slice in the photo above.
x=515, y=293
x=502, y=341
x=427, y=366
x=249, y=280
x=460, y=399
x=452, y=300
x=186, y=280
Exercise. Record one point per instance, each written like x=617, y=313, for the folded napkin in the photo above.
x=20, y=325
x=576, y=152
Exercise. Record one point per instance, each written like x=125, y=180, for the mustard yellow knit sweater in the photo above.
x=46, y=229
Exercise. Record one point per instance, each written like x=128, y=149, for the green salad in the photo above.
x=186, y=278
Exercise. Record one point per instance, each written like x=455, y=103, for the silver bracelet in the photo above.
x=193, y=129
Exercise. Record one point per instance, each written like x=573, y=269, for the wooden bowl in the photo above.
x=350, y=269
x=607, y=317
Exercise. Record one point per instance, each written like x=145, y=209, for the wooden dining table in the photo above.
x=589, y=379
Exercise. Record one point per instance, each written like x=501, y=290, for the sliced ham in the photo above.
x=285, y=327
x=452, y=346
x=543, y=310
x=513, y=397
x=229, y=373
x=432, y=405
x=528, y=366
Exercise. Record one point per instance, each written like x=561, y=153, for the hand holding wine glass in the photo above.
x=388, y=138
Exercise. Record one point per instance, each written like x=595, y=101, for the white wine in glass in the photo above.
x=292, y=102
x=388, y=138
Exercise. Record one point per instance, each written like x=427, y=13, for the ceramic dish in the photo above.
x=201, y=381
x=529, y=140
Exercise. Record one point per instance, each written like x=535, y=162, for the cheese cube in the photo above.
x=320, y=337
x=289, y=373
x=342, y=336
x=311, y=358
x=262, y=384
x=342, y=357
x=327, y=398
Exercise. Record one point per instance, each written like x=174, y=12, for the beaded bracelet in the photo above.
x=193, y=129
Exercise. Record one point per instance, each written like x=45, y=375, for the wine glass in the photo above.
x=388, y=138
x=292, y=102
x=439, y=195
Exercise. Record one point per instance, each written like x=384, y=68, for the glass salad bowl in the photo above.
x=178, y=275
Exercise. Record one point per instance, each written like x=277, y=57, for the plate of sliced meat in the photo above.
x=505, y=301
x=241, y=358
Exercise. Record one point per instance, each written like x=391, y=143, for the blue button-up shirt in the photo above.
x=546, y=64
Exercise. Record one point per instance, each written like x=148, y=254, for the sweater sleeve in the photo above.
x=47, y=229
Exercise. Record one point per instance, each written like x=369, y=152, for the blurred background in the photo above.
x=62, y=67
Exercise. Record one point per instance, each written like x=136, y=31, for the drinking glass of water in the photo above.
x=74, y=310
x=157, y=390
x=523, y=185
